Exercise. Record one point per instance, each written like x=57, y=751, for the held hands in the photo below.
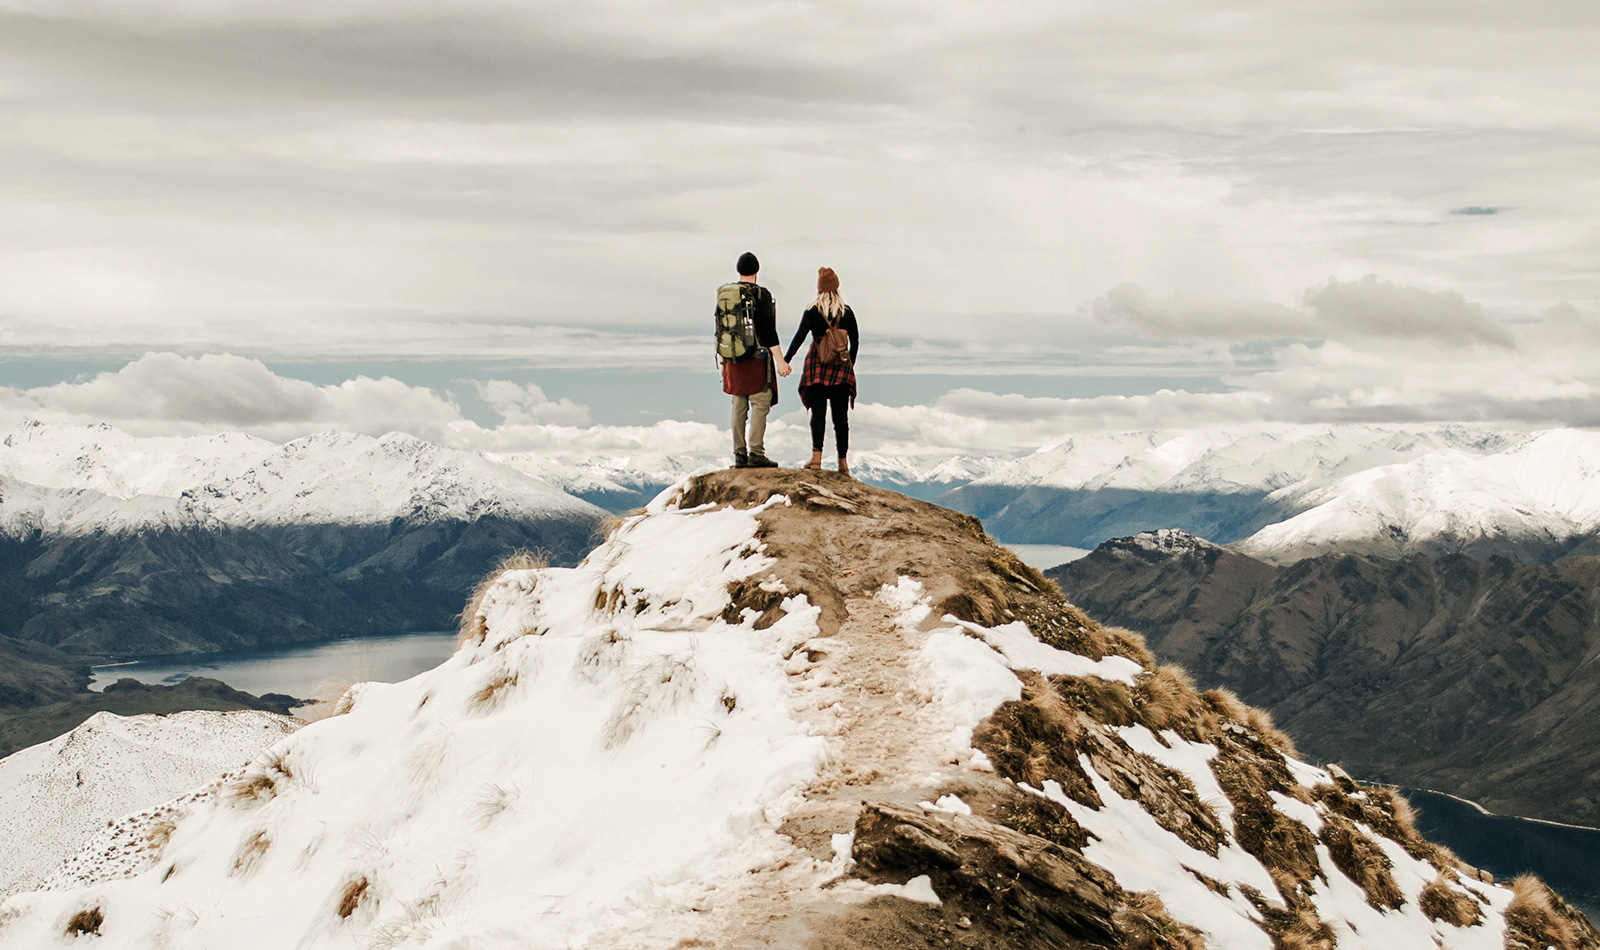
x=784, y=368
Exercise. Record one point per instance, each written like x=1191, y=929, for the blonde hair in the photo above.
x=829, y=304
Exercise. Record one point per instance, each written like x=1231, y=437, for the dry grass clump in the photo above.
x=1035, y=739
x=1295, y=924
x=749, y=595
x=472, y=626
x=1248, y=777
x=662, y=683
x=1227, y=704
x=1386, y=813
x=1537, y=918
x=1128, y=643
x=263, y=780
x=1362, y=861
x=158, y=834
x=1441, y=902
x=251, y=852
x=493, y=693
x=1145, y=925
x=86, y=922
x=354, y=893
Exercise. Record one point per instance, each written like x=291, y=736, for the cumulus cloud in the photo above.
x=524, y=404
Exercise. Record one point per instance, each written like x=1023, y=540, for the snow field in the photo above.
x=58, y=794
x=586, y=775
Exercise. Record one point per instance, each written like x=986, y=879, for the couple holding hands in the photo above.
x=747, y=337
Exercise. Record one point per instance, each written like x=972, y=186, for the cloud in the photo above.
x=1375, y=308
x=1188, y=317
x=357, y=176
x=164, y=393
x=525, y=404
x=1336, y=310
x=1550, y=377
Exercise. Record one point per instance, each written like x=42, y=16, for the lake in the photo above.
x=308, y=671
x=1566, y=857
x=1045, y=556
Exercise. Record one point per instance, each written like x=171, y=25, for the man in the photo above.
x=751, y=381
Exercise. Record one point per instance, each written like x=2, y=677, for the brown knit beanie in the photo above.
x=827, y=280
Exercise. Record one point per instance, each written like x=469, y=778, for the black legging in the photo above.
x=820, y=398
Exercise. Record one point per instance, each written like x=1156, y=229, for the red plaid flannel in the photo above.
x=816, y=374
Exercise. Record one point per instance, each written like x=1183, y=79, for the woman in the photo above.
x=828, y=382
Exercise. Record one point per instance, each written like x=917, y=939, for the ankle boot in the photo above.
x=741, y=458
x=844, y=466
x=816, y=461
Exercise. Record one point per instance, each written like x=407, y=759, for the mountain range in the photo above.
x=122, y=546
x=1479, y=677
x=783, y=709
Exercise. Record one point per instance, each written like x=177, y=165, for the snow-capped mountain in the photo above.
x=56, y=795
x=704, y=736
x=133, y=546
x=1533, y=499
x=78, y=479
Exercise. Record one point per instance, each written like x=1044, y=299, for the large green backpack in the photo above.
x=736, y=320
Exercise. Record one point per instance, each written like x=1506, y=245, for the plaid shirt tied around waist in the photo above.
x=817, y=374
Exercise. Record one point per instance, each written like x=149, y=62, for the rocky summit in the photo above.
x=784, y=709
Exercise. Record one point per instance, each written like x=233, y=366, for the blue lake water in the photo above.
x=311, y=671
x=1566, y=857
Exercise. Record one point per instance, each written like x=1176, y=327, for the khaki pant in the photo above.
x=756, y=408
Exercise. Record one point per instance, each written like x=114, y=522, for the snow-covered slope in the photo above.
x=704, y=736
x=1538, y=493
x=72, y=480
x=1234, y=459
x=55, y=795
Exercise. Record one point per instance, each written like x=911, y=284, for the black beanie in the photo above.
x=748, y=265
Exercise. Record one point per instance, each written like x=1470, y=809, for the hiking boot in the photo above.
x=741, y=458
x=816, y=461
x=759, y=460
x=844, y=466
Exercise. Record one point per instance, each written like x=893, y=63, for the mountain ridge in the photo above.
x=1444, y=672
x=787, y=708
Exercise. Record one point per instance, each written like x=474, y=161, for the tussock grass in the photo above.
x=494, y=693
x=471, y=626
x=86, y=922
x=354, y=893
x=1385, y=812
x=1227, y=704
x=158, y=834
x=251, y=851
x=1362, y=861
x=1441, y=902
x=660, y=684
x=263, y=780
x=1128, y=643
x=492, y=801
x=1144, y=922
x=1537, y=918
x=601, y=653
x=1248, y=777
x=1294, y=924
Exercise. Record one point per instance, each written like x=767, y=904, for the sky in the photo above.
x=502, y=223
